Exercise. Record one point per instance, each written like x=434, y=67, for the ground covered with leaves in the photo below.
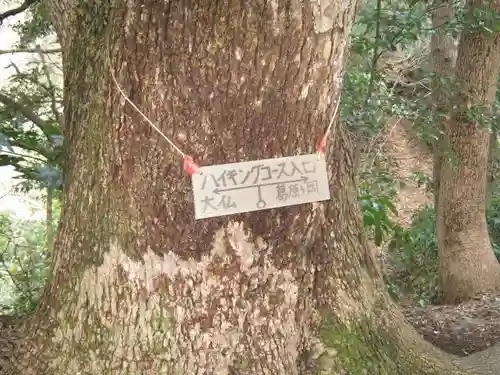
x=461, y=330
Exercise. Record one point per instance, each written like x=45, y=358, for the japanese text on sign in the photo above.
x=257, y=185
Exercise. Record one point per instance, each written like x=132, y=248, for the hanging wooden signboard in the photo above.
x=228, y=189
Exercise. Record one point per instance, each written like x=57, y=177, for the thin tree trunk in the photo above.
x=467, y=263
x=139, y=286
x=443, y=58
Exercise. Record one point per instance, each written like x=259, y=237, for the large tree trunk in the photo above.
x=467, y=263
x=443, y=58
x=139, y=286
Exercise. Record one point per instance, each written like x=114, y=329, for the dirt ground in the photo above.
x=462, y=329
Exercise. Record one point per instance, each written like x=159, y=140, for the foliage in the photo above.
x=493, y=219
x=369, y=101
x=371, y=95
x=365, y=116
x=376, y=190
x=400, y=23
x=37, y=25
x=30, y=109
x=24, y=264
x=29, y=130
x=415, y=251
x=370, y=98
x=376, y=211
x=31, y=143
x=381, y=28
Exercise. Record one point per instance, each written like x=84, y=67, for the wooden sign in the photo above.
x=259, y=185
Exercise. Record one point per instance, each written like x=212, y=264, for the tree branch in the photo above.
x=49, y=89
x=23, y=110
x=21, y=8
x=30, y=50
x=52, y=88
x=23, y=156
x=28, y=78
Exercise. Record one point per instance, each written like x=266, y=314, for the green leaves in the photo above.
x=376, y=215
x=30, y=128
x=482, y=20
x=37, y=24
x=24, y=264
x=401, y=24
x=415, y=251
x=9, y=160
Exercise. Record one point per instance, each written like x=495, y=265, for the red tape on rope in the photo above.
x=190, y=167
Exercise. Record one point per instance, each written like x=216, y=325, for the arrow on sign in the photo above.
x=302, y=179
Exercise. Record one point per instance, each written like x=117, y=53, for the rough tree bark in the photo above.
x=467, y=263
x=492, y=158
x=49, y=220
x=139, y=286
x=443, y=58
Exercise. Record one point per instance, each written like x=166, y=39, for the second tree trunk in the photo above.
x=467, y=263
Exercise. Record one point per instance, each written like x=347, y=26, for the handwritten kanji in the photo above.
x=294, y=169
x=207, y=204
x=281, y=193
x=312, y=186
x=296, y=190
x=225, y=202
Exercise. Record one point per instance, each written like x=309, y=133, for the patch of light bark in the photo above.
x=131, y=320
